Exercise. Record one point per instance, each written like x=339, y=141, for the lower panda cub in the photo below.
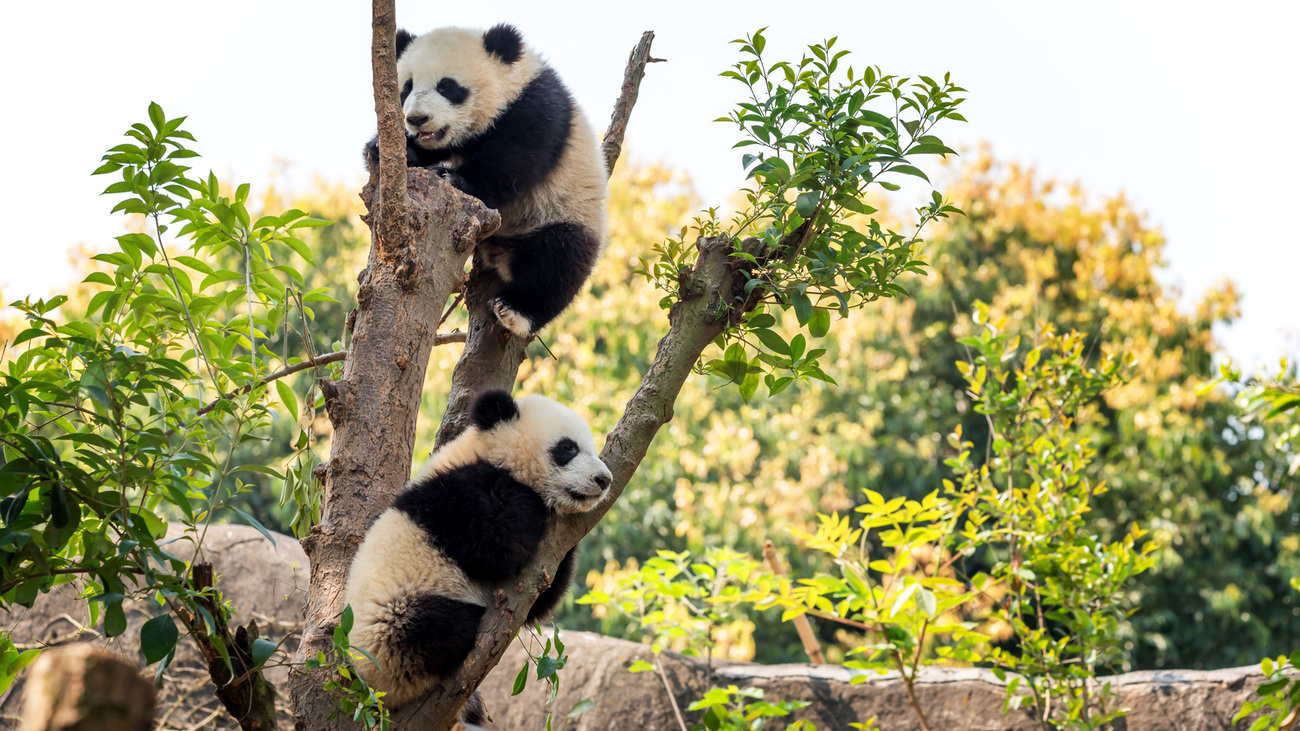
x=473, y=516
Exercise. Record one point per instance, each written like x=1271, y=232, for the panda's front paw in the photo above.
x=449, y=175
x=513, y=321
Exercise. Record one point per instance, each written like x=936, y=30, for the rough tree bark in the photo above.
x=241, y=687
x=422, y=233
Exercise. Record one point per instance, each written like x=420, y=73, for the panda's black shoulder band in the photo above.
x=504, y=42
x=492, y=408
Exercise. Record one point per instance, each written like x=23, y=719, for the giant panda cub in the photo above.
x=472, y=517
x=487, y=114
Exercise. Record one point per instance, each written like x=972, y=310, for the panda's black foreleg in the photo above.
x=479, y=516
x=416, y=156
x=546, y=271
x=550, y=599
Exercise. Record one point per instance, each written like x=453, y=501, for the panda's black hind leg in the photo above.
x=547, y=269
x=439, y=632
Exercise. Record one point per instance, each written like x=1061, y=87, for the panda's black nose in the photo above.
x=415, y=120
x=602, y=481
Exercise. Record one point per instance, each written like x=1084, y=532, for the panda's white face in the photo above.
x=455, y=82
x=555, y=453
x=541, y=443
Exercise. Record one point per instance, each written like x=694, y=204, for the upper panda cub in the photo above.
x=473, y=516
x=488, y=115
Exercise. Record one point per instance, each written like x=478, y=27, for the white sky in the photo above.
x=1187, y=108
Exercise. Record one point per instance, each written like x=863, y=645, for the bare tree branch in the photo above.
x=391, y=228
x=319, y=360
x=636, y=62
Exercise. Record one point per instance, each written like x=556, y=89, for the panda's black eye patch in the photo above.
x=455, y=93
x=406, y=90
x=564, y=451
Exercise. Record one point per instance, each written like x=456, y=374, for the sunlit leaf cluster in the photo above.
x=805, y=237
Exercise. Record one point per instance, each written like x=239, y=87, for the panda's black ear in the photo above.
x=504, y=42
x=403, y=40
x=492, y=408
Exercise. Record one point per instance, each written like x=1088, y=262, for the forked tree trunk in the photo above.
x=422, y=234
x=492, y=353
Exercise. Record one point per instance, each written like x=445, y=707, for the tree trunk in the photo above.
x=374, y=406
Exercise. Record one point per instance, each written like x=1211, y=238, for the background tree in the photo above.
x=732, y=473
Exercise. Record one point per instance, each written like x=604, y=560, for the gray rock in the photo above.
x=953, y=698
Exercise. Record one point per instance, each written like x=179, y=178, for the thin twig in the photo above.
x=460, y=296
x=327, y=358
x=911, y=692
x=455, y=336
x=671, y=698
x=248, y=293
x=215, y=712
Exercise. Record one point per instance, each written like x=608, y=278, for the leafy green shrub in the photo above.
x=120, y=419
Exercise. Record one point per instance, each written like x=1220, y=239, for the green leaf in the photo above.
x=114, y=619
x=580, y=708
x=909, y=170
x=262, y=650
x=803, y=307
x=287, y=398
x=546, y=667
x=772, y=341
x=902, y=597
x=253, y=522
x=640, y=666
x=521, y=680
x=931, y=149
x=819, y=323
x=926, y=602
x=158, y=637
x=156, y=116
x=749, y=385
x=346, y=619
x=806, y=203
